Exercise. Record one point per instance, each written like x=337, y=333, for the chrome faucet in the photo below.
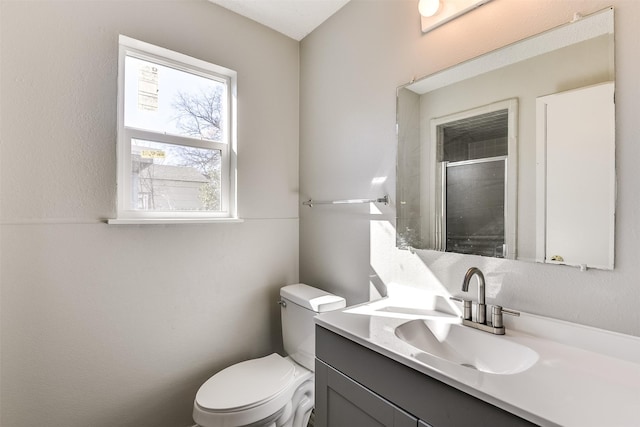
x=496, y=326
x=481, y=311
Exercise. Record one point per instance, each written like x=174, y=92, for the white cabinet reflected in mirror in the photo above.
x=575, y=193
x=475, y=175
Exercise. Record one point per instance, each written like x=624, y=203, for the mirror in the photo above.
x=511, y=154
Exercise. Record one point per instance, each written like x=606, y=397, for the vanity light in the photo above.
x=428, y=8
x=434, y=13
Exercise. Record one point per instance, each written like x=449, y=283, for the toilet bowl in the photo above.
x=257, y=390
x=272, y=390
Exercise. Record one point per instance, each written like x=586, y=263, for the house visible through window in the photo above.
x=176, y=147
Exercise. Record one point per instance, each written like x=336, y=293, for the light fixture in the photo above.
x=435, y=13
x=428, y=8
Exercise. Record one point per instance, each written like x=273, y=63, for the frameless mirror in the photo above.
x=511, y=154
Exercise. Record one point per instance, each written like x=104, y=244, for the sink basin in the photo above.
x=466, y=347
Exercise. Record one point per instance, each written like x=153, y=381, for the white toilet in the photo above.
x=272, y=391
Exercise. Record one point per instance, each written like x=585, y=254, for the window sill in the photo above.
x=166, y=221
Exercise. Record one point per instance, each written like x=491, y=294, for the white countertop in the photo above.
x=583, y=377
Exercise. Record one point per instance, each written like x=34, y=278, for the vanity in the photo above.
x=404, y=362
x=356, y=387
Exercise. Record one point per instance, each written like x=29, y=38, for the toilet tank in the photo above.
x=299, y=305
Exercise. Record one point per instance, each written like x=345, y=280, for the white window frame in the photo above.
x=126, y=214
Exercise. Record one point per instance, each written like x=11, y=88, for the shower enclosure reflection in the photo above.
x=469, y=180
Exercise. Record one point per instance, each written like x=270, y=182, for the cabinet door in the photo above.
x=342, y=402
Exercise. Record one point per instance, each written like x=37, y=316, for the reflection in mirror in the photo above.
x=468, y=177
x=576, y=135
x=475, y=164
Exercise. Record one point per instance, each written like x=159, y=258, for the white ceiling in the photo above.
x=293, y=18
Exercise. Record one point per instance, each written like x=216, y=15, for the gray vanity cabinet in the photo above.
x=347, y=403
x=358, y=387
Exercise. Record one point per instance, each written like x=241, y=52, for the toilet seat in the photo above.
x=246, y=384
x=248, y=392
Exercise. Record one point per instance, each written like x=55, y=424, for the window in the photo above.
x=475, y=194
x=176, y=137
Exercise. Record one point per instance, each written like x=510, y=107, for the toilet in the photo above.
x=271, y=391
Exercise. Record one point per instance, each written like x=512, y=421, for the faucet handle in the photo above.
x=467, y=307
x=496, y=315
x=511, y=312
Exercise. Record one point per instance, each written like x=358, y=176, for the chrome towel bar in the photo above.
x=311, y=202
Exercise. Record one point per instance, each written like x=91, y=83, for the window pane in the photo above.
x=166, y=100
x=477, y=137
x=166, y=177
x=475, y=208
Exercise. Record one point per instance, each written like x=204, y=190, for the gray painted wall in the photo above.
x=350, y=68
x=105, y=325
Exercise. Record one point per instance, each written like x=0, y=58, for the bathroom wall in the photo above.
x=106, y=325
x=350, y=68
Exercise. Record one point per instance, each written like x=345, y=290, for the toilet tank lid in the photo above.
x=312, y=298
